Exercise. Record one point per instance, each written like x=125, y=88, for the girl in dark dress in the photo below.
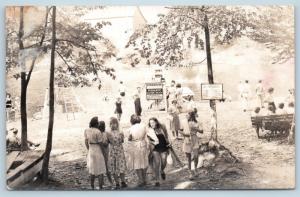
x=118, y=109
x=8, y=106
x=160, y=146
x=137, y=105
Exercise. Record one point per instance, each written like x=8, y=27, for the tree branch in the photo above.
x=75, y=44
x=45, y=26
x=21, y=28
x=94, y=68
x=39, y=44
x=65, y=61
x=30, y=71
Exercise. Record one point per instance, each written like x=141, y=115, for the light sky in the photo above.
x=122, y=20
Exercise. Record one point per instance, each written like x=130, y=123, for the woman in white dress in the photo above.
x=138, y=153
x=95, y=159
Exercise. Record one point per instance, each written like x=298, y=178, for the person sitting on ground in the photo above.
x=281, y=109
x=13, y=142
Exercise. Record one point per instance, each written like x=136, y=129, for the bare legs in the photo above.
x=189, y=158
x=159, y=164
x=92, y=182
x=100, y=180
x=141, y=173
x=122, y=177
x=119, y=116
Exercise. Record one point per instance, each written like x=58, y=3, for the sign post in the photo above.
x=212, y=91
x=155, y=91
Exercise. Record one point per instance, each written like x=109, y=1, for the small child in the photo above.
x=191, y=143
x=118, y=109
x=116, y=161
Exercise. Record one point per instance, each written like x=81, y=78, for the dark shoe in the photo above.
x=141, y=185
x=163, y=176
x=157, y=184
x=117, y=186
x=123, y=185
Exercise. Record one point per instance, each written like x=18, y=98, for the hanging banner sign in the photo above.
x=211, y=91
x=154, y=91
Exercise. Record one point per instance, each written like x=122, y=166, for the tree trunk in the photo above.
x=212, y=103
x=23, y=112
x=45, y=169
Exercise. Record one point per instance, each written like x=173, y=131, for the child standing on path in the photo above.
x=116, y=159
x=191, y=143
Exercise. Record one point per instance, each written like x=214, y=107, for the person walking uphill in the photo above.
x=116, y=161
x=160, y=144
x=95, y=159
x=118, y=109
x=137, y=105
x=138, y=150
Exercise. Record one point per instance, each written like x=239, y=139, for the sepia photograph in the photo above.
x=150, y=97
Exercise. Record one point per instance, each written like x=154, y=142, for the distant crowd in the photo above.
x=266, y=104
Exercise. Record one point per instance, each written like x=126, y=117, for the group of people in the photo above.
x=106, y=154
x=265, y=99
x=267, y=102
x=137, y=101
x=147, y=144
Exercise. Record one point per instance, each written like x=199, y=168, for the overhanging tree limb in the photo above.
x=40, y=45
x=75, y=44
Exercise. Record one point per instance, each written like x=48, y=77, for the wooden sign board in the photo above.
x=154, y=91
x=212, y=91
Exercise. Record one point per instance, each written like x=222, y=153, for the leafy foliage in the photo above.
x=181, y=27
x=81, y=47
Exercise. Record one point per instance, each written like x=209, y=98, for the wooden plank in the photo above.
x=10, y=158
x=26, y=176
x=30, y=158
